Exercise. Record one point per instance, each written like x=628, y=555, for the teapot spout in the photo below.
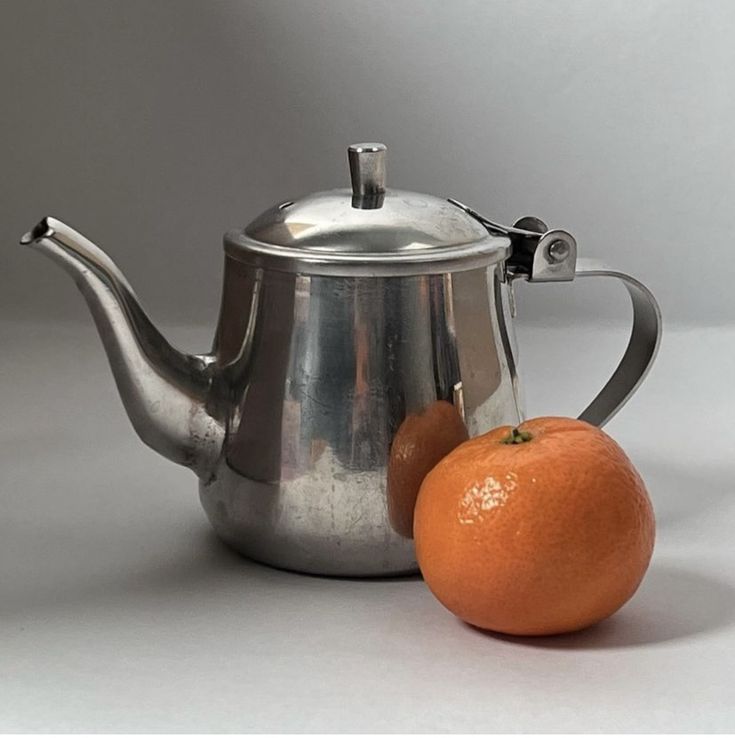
x=166, y=393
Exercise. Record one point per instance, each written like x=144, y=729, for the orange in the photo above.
x=421, y=441
x=538, y=530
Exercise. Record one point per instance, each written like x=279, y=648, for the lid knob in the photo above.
x=367, y=171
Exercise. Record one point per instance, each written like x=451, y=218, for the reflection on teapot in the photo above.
x=421, y=441
x=348, y=318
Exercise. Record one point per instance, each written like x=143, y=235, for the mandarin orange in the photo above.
x=538, y=530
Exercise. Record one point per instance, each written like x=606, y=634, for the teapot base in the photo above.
x=263, y=522
x=327, y=571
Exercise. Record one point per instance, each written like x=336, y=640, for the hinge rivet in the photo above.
x=558, y=251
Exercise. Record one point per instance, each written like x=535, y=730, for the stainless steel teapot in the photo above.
x=363, y=333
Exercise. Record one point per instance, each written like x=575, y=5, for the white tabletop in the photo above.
x=121, y=612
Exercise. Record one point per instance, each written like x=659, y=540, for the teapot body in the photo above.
x=317, y=376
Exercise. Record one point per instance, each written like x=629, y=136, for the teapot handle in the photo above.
x=645, y=337
x=539, y=254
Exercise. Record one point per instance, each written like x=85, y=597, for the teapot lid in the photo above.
x=367, y=230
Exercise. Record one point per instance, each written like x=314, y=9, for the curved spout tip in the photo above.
x=41, y=230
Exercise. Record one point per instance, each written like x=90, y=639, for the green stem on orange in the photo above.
x=517, y=436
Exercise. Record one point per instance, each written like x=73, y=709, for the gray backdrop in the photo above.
x=155, y=126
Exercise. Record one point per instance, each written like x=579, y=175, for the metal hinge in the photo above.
x=538, y=254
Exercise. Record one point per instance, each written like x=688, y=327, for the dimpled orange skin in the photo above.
x=537, y=538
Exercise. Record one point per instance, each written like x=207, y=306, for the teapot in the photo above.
x=363, y=333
